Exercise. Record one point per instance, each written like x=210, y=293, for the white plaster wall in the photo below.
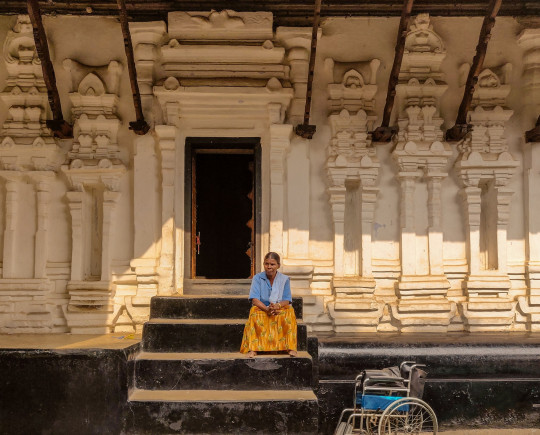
x=97, y=41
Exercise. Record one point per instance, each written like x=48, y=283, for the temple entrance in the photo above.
x=223, y=209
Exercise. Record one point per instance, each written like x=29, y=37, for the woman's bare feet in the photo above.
x=251, y=354
x=293, y=353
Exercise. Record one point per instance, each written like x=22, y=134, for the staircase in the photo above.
x=190, y=377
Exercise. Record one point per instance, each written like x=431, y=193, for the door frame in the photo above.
x=217, y=143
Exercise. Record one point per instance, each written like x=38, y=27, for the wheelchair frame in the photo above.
x=385, y=405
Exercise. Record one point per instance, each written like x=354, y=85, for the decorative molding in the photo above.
x=485, y=168
x=26, y=144
x=422, y=156
x=226, y=25
x=352, y=172
x=94, y=171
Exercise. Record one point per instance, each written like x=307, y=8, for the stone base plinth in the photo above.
x=424, y=286
x=488, y=313
x=487, y=284
x=24, y=307
x=424, y=314
x=356, y=314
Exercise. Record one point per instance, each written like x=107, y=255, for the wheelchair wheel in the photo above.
x=344, y=428
x=408, y=416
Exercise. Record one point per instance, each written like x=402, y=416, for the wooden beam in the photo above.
x=59, y=127
x=306, y=130
x=384, y=133
x=140, y=126
x=461, y=128
x=286, y=13
x=534, y=134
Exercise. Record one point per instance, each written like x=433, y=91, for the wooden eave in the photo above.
x=286, y=13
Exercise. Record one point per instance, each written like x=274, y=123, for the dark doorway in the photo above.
x=223, y=212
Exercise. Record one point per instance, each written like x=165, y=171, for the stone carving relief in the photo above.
x=352, y=168
x=28, y=155
x=223, y=25
x=422, y=157
x=485, y=167
x=94, y=171
x=25, y=141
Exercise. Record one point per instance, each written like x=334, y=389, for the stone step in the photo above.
x=200, y=335
x=222, y=411
x=207, y=307
x=221, y=371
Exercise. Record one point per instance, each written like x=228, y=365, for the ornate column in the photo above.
x=76, y=209
x=529, y=40
x=352, y=169
x=166, y=142
x=10, y=257
x=94, y=171
x=42, y=180
x=110, y=199
x=422, y=158
x=485, y=167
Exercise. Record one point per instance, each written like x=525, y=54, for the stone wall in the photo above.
x=418, y=234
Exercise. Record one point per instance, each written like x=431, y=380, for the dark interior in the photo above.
x=223, y=213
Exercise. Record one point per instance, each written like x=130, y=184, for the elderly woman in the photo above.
x=271, y=326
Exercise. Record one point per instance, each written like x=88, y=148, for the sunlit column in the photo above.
x=167, y=140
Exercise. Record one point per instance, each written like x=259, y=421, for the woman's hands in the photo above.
x=273, y=309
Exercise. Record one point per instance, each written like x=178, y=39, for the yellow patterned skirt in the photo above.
x=264, y=333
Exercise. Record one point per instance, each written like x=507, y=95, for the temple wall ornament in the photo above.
x=28, y=155
x=94, y=172
x=422, y=158
x=352, y=169
x=529, y=40
x=485, y=168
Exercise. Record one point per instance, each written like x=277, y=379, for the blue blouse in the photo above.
x=261, y=288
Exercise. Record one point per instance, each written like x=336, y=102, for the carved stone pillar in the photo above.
x=78, y=254
x=94, y=171
x=485, y=167
x=42, y=181
x=422, y=158
x=167, y=148
x=529, y=40
x=110, y=198
x=352, y=169
x=12, y=205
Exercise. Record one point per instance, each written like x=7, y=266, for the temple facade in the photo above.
x=418, y=234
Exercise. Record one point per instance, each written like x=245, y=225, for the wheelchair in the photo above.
x=389, y=402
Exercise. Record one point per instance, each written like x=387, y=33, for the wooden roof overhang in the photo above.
x=286, y=13
x=383, y=133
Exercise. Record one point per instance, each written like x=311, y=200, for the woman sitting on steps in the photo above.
x=271, y=326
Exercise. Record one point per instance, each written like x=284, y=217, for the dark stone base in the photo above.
x=216, y=372
x=473, y=381
x=179, y=307
x=64, y=391
x=257, y=417
x=176, y=336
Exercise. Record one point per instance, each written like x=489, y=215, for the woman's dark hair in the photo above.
x=273, y=256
